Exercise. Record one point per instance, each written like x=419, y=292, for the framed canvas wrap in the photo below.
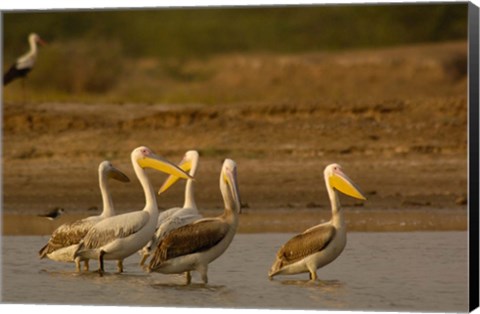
x=301, y=157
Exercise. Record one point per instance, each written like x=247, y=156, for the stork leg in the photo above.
x=120, y=265
x=23, y=91
x=100, y=263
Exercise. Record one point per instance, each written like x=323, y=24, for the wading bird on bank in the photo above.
x=176, y=217
x=118, y=237
x=194, y=246
x=25, y=63
x=65, y=239
x=53, y=214
x=323, y=243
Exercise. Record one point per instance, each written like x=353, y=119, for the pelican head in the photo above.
x=145, y=158
x=229, y=184
x=107, y=169
x=189, y=163
x=335, y=178
x=33, y=37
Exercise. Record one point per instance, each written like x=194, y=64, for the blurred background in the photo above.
x=177, y=55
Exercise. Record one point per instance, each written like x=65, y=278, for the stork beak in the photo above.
x=41, y=41
x=116, y=174
x=230, y=177
x=342, y=183
x=158, y=163
x=185, y=165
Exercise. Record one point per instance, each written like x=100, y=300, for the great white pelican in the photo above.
x=194, y=246
x=118, y=237
x=65, y=239
x=323, y=243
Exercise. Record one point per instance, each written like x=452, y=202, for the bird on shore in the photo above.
x=118, y=237
x=194, y=246
x=24, y=64
x=323, y=243
x=53, y=214
x=65, y=239
x=176, y=217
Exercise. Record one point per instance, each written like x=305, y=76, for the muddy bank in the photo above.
x=395, y=119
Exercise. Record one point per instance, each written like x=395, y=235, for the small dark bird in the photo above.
x=54, y=213
x=25, y=63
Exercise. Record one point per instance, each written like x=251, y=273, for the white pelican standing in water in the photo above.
x=65, y=239
x=176, y=217
x=323, y=243
x=118, y=237
x=25, y=63
x=194, y=246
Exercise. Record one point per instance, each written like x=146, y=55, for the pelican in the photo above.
x=323, y=243
x=118, y=237
x=176, y=217
x=25, y=63
x=194, y=246
x=65, y=239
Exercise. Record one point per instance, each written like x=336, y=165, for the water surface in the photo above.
x=408, y=271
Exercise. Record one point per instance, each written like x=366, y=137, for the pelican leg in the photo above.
x=120, y=265
x=203, y=269
x=77, y=265
x=85, y=265
x=313, y=274
x=188, y=276
x=144, y=259
x=100, y=263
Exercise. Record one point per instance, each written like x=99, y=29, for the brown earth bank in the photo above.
x=395, y=119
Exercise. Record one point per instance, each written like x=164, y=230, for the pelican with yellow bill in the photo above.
x=118, y=237
x=176, y=217
x=323, y=243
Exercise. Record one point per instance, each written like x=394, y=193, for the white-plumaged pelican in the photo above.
x=25, y=63
x=323, y=243
x=65, y=239
x=118, y=237
x=176, y=217
x=194, y=246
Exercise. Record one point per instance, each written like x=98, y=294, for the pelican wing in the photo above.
x=115, y=227
x=66, y=235
x=312, y=241
x=193, y=238
x=175, y=222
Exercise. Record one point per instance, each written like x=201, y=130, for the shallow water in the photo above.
x=409, y=271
